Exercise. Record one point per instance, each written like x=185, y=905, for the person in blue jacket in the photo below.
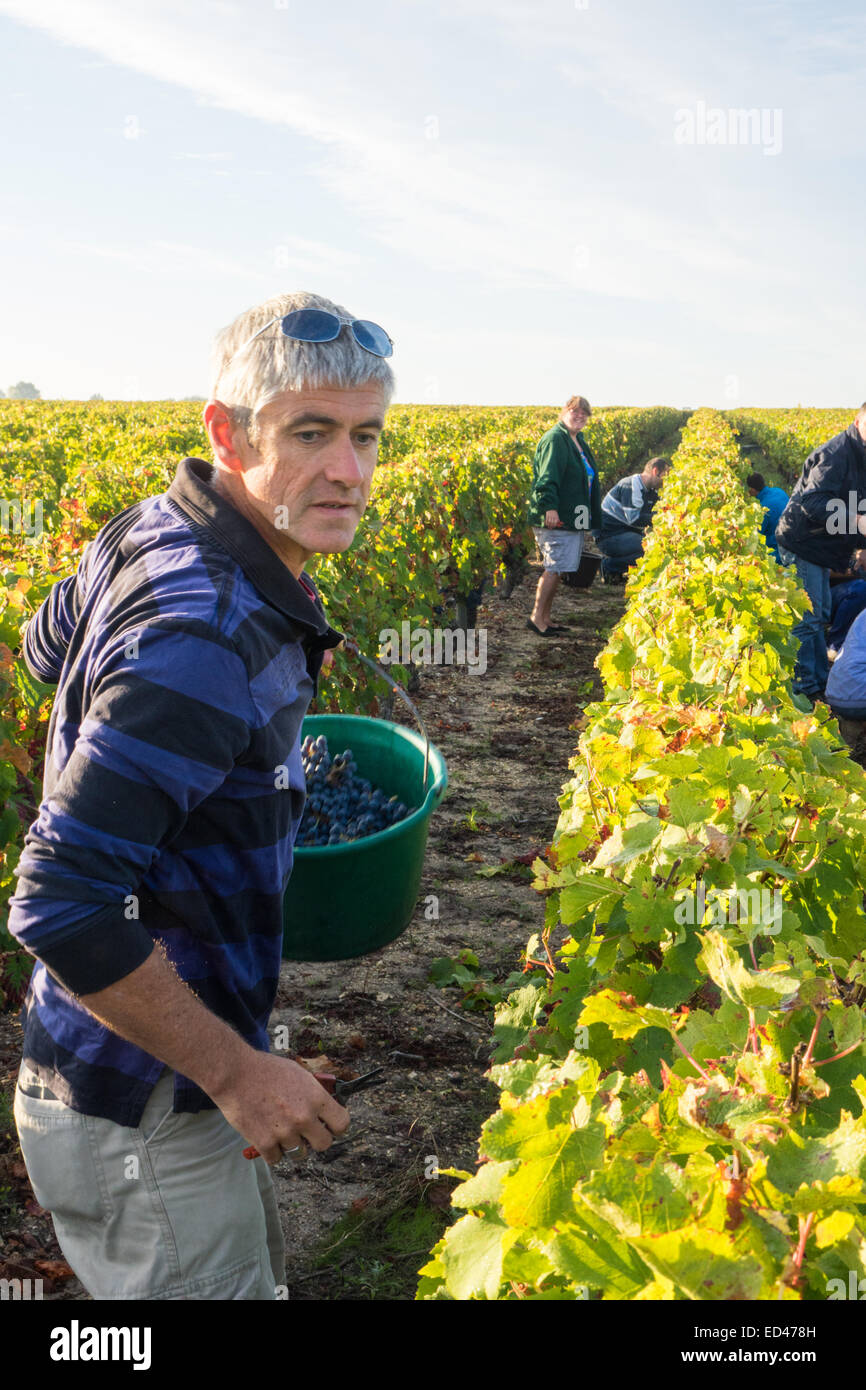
x=774, y=500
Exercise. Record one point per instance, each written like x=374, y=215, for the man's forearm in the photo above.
x=153, y=1008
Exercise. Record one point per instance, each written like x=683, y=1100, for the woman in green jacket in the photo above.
x=564, y=504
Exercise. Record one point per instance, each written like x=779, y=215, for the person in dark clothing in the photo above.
x=626, y=513
x=186, y=649
x=817, y=532
x=774, y=500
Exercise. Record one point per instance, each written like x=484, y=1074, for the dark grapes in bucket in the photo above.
x=341, y=806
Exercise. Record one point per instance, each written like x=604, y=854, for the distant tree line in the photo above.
x=22, y=391
x=26, y=391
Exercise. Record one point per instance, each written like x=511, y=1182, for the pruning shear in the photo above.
x=337, y=1089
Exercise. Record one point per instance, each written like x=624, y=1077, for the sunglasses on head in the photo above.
x=321, y=326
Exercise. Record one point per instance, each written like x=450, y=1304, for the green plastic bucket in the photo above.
x=347, y=900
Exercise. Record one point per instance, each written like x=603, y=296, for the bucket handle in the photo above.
x=352, y=647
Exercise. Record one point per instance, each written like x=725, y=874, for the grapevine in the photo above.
x=682, y=1098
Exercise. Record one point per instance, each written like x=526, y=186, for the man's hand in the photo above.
x=327, y=659
x=551, y=520
x=272, y=1102
x=277, y=1105
x=859, y=561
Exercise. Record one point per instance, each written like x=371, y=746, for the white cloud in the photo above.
x=552, y=169
x=455, y=205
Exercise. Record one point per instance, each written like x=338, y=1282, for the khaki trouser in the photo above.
x=170, y=1210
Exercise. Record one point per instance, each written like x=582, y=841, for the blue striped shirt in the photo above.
x=185, y=655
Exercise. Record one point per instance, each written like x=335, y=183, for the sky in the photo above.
x=534, y=199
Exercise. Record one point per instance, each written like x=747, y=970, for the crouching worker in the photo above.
x=846, y=682
x=626, y=513
x=774, y=500
x=186, y=649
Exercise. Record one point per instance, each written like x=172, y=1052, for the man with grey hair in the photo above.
x=186, y=649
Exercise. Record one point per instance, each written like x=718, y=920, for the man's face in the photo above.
x=310, y=472
x=860, y=422
x=658, y=480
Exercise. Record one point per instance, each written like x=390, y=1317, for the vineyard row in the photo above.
x=682, y=1072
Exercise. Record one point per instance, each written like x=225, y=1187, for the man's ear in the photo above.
x=224, y=435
